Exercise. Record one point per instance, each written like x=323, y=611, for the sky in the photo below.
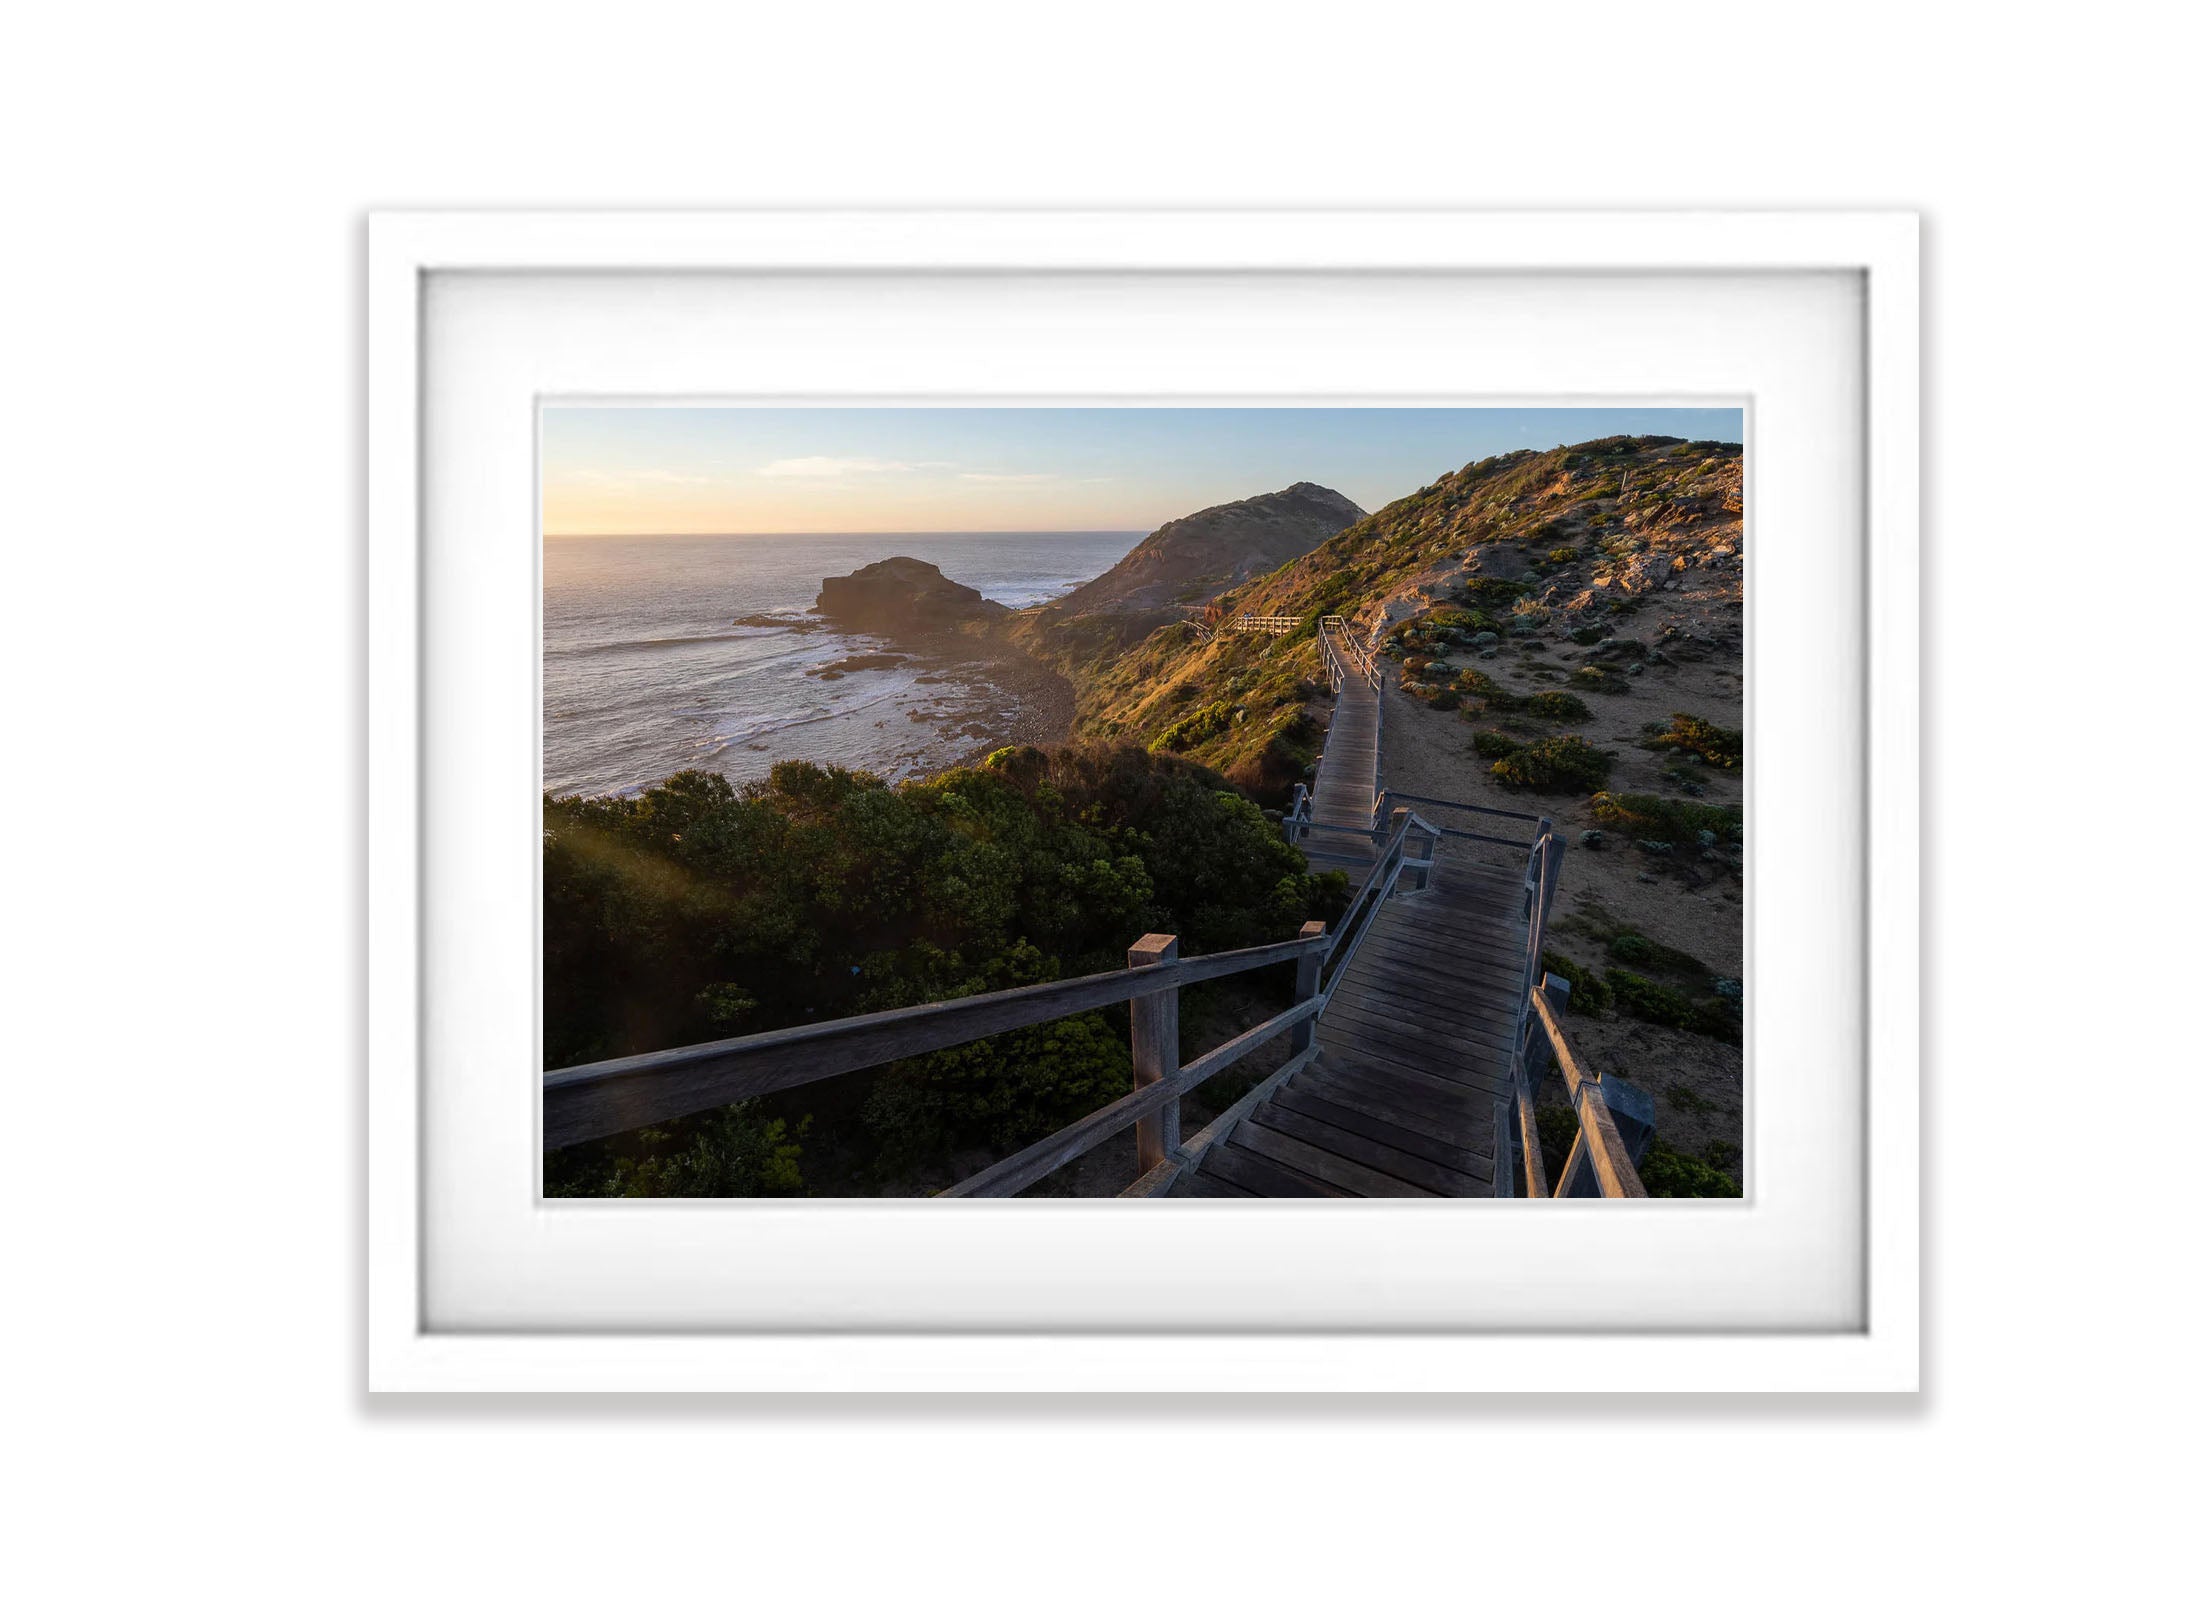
x=1022, y=469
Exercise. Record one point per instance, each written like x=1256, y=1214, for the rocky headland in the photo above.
x=1191, y=560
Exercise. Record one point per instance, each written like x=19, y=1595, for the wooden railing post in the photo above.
x=1154, y=1053
x=1308, y=982
x=1400, y=819
x=1535, y=1058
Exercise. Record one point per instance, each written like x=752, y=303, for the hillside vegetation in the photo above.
x=1529, y=548
x=701, y=910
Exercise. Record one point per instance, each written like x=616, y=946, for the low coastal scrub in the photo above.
x=736, y=1152
x=1554, y=705
x=1566, y=764
x=1639, y=950
x=1598, y=681
x=1197, y=728
x=1489, y=744
x=1693, y=997
x=1657, y=818
x=1719, y=747
x=1670, y=1175
x=1654, y=1002
x=700, y=910
x=1591, y=996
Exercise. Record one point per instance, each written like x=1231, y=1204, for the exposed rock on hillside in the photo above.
x=902, y=595
x=1193, y=559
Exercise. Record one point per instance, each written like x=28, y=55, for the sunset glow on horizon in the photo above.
x=660, y=469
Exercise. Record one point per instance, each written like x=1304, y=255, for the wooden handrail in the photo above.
x=1461, y=805
x=607, y=1097
x=1376, y=885
x=1598, y=1143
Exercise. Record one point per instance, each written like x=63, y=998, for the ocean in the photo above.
x=649, y=667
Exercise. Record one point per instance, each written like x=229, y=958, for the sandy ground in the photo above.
x=1696, y=1082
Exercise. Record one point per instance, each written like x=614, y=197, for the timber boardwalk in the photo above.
x=1416, y=1040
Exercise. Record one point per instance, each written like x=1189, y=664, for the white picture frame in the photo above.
x=857, y=1347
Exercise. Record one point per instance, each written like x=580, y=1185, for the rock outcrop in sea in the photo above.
x=903, y=595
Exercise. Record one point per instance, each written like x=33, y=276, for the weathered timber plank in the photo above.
x=1371, y=1153
x=1407, y=1084
x=1428, y=1140
x=1206, y=1186
x=1258, y=1175
x=1496, y=933
x=1422, y=1095
x=1415, y=1011
x=1407, y=971
x=1470, y=1039
x=1462, y=1127
x=1438, y=1122
x=1488, y=1076
x=1442, y=1011
x=1347, y=1176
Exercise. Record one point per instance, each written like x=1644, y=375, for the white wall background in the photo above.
x=181, y=648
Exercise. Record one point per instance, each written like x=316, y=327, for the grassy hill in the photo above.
x=1506, y=556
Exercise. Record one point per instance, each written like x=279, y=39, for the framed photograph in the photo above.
x=1143, y=801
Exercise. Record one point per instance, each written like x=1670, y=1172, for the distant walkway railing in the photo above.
x=1349, y=653
x=1264, y=624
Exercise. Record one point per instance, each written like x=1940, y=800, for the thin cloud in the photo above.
x=1006, y=477
x=598, y=478
x=837, y=466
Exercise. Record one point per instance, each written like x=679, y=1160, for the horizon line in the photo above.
x=824, y=533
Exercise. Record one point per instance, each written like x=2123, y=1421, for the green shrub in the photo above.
x=1561, y=555
x=1001, y=1092
x=1492, y=595
x=1653, y=816
x=1591, y=996
x=1445, y=699
x=1670, y=1175
x=1597, y=681
x=1555, y=705
x=1639, y=950
x=736, y=1151
x=1719, y=747
x=1489, y=744
x=1472, y=680
x=1654, y=1002
x=1566, y=764
x=1195, y=729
